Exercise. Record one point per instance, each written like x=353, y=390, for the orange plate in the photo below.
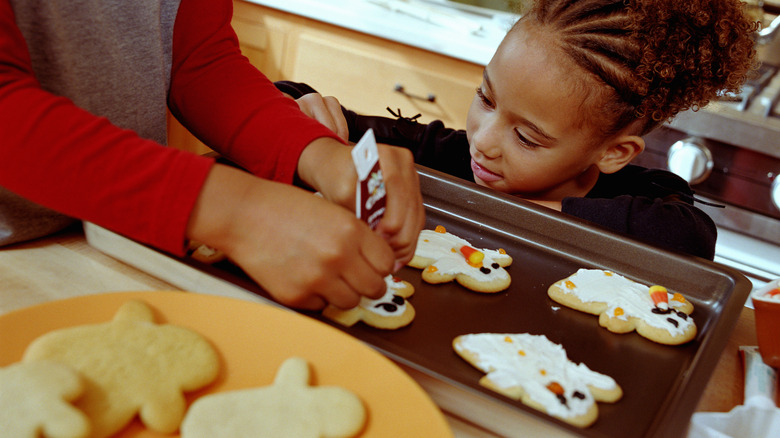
x=253, y=340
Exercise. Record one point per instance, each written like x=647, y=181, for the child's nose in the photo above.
x=486, y=141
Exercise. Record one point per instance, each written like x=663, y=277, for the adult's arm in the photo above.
x=227, y=103
x=69, y=160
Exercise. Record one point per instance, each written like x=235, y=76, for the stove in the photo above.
x=729, y=151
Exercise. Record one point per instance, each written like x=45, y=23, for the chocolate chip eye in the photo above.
x=397, y=299
x=387, y=307
x=578, y=395
x=682, y=316
x=484, y=270
x=495, y=265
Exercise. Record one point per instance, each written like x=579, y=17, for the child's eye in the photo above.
x=485, y=101
x=525, y=141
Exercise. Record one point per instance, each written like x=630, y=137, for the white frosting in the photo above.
x=392, y=289
x=533, y=362
x=444, y=248
x=595, y=285
x=769, y=292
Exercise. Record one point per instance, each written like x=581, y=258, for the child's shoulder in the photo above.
x=640, y=181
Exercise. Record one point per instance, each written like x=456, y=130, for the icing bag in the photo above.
x=370, y=191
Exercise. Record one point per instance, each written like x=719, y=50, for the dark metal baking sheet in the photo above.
x=661, y=384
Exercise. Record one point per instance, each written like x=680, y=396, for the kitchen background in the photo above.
x=426, y=57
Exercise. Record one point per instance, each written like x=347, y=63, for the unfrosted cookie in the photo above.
x=392, y=311
x=536, y=371
x=444, y=257
x=624, y=305
x=35, y=401
x=204, y=253
x=287, y=408
x=131, y=365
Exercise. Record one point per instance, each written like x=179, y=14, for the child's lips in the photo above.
x=483, y=173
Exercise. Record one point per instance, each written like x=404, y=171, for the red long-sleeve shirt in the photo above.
x=69, y=160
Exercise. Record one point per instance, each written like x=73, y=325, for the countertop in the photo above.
x=64, y=265
x=469, y=37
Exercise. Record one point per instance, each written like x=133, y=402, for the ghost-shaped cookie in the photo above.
x=290, y=407
x=35, y=401
x=131, y=366
x=391, y=311
x=624, y=305
x=444, y=257
x=537, y=371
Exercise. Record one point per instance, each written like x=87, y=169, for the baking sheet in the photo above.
x=661, y=384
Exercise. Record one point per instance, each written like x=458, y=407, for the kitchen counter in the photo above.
x=469, y=37
x=64, y=266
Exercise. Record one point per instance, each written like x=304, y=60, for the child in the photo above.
x=84, y=89
x=565, y=102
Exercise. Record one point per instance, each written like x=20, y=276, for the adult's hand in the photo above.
x=304, y=250
x=327, y=166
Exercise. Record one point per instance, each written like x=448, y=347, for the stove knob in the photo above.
x=690, y=160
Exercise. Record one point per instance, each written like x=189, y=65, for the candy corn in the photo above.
x=660, y=297
x=473, y=256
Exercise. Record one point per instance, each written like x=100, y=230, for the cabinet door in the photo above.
x=369, y=75
x=262, y=36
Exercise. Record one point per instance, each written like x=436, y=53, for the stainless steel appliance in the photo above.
x=730, y=153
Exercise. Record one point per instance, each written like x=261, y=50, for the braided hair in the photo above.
x=657, y=57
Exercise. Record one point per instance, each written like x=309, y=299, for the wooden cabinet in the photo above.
x=366, y=73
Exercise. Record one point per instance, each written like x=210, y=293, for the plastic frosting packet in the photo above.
x=370, y=191
x=760, y=378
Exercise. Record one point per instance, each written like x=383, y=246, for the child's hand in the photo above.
x=327, y=166
x=303, y=250
x=326, y=110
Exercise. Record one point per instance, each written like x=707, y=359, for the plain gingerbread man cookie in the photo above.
x=131, y=366
x=287, y=408
x=623, y=305
x=392, y=311
x=444, y=257
x=35, y=401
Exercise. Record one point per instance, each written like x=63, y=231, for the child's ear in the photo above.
x=621, y=151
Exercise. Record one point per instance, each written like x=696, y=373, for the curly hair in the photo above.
x=658, y=57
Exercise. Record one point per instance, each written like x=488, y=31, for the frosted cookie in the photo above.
x=287, y=408
x=536, y=371
x=624, y=305
x=392, y=311
x=131, y=365
x=444, y=257
x=35, y=401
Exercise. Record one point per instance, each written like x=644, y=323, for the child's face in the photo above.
x=525, y=126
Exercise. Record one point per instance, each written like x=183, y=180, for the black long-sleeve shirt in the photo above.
x=651, y=205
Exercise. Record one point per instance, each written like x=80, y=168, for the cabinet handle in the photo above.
x=400, y=89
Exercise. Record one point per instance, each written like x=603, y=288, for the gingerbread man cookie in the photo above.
x=204, y=253
x=131, y=366
x=35, y=401
x=287, y=408
x=444, y=257
x=392, y=311
x=536, y=371
x=624, y=305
